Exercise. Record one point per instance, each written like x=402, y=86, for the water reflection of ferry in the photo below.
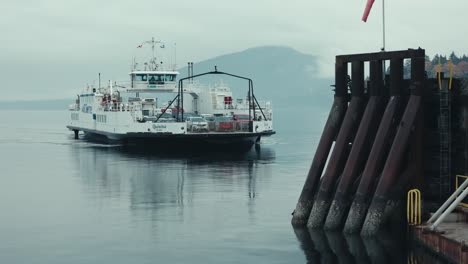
x=152, y=179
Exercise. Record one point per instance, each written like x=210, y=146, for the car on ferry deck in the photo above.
x=241, y=121
x=196, y=123
x=210, y=119
x=240, y=118
x=224, y=123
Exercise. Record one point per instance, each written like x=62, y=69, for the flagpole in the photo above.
x=175, y=56
x=383, y=24
x=383, y=38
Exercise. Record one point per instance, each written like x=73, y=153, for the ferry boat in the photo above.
x=195, y=115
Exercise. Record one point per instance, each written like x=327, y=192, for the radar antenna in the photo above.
x=153, y=42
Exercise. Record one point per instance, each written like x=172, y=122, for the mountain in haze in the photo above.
x=283, y=75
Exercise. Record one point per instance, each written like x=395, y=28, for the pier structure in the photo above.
x=394, y=131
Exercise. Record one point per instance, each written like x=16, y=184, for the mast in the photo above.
x=152, y=48
x=153, y=62
x=153, y=42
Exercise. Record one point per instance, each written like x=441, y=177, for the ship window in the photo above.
x=141, y=77
x=155, y=79
x=169, y=78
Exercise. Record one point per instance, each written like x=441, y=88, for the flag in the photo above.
x=140, y=46
x=367, y=10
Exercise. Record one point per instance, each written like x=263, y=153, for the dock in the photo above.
x=395, y=138
x=449, y=240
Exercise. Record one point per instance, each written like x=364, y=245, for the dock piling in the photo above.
x=335, y=119
x=360, y=149
x=341, y=150
x=370, y=143
x=380, y=148
x=392, y=169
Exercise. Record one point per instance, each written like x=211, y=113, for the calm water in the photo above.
x=71, y=201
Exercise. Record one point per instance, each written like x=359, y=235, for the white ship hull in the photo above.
x=121, y=127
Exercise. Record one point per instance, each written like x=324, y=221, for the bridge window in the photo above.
x=141, y=77
x=155, y=79
x=169, y=78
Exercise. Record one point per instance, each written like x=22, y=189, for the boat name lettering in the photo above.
x=159, y=126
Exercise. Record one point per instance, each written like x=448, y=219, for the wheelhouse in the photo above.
x=148, y=81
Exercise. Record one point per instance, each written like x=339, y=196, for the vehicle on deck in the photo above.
x=224, y=123
x=239, y=118
x=196, y=124
x=241, y=122
x=166, y=118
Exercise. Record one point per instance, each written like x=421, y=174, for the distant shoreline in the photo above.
x=56, y=104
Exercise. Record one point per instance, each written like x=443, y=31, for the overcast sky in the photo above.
x=51, y=48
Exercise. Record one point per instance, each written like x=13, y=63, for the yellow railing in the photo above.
x=457, y=184
x=413, y=207
x=439, y=76
x=450, y=80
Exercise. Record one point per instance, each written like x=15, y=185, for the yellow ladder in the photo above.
x=413, y=207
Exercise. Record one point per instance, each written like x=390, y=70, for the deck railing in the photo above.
x=457, y=182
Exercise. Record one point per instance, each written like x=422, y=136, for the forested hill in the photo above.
x=459, y=65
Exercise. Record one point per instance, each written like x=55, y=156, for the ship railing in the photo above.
x=122, y=84
x=225, y=127
x=242, y=104
x=160, y=67
x=74, y=107
x=118, y=107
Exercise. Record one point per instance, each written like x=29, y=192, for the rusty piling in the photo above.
x=380, y=148
x=340, y=151
x=360, y=149
x=368, y=154
x=393, y=165
x=335, y=119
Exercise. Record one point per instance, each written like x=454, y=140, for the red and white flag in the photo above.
x=367, y=10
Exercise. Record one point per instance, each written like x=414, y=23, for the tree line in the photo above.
x=459, y=65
